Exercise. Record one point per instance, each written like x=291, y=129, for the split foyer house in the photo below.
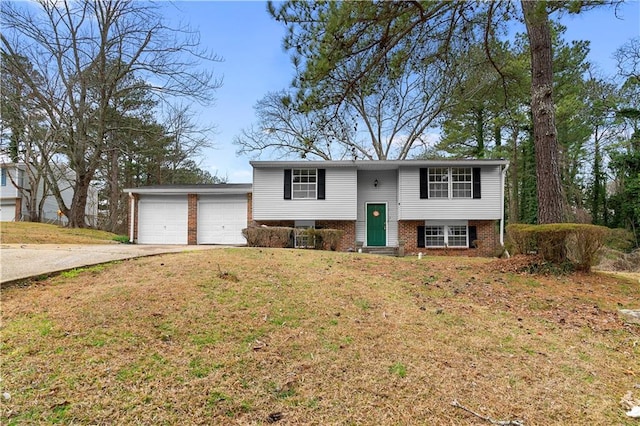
x=418, y=204
x=422, y=205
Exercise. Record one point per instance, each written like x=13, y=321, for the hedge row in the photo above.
x=283, y=236
x=560, y=242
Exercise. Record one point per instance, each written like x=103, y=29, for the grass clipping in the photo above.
x=259, y=336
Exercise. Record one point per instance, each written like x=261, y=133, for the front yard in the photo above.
x=258, y=336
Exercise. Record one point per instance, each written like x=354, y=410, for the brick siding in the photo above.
x=488, y=239
x=192, y=219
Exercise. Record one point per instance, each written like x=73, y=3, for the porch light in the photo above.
x=375, y=183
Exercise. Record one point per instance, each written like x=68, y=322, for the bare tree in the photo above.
x=83, y=50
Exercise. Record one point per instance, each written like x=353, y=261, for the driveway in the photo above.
x=19, y=261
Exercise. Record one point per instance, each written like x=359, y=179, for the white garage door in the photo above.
x=162, y=220
x=221, y=219
x=7, y=212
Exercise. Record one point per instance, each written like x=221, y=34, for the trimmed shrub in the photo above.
x=560, y=242
x=268, y=236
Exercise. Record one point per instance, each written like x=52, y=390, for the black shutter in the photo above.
x=287, y=184
x=424, y=184
x=473, y=236
x=421, y=236
x=321, y=173
x=476, y=182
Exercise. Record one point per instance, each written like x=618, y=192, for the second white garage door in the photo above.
x=162, y=220
x=221, y=219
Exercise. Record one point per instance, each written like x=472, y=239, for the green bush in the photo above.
x=620, y=239
x=122, y=239
x=560, y=242
x=268, y=236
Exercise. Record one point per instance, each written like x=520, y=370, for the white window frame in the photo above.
x=435, y=186
x=451, y=180
x=304, y=186
x=458, y=185
x=301, y=239
x=447, y=228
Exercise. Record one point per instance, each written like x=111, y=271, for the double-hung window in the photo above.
x=450, y=182
x=304, y=183
x=461, y=182
x=438, y=182
x=446, y=235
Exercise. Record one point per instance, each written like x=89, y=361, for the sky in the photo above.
x=250, y=41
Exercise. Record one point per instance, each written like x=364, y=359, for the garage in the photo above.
x=189, y=214
x=221, y=219
x=162, y=219
x=7, y=211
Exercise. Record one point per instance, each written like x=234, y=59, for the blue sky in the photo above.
x=250, y=42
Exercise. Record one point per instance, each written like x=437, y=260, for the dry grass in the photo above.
x=252, y=336
x=42, y=233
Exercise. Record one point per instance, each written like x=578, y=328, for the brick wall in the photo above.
x=192, y=219
x=136, y=199
x=348, y=240
x=488, y=239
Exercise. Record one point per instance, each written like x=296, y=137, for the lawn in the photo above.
x=42, y=233
x=259, y=336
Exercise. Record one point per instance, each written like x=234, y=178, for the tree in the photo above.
x=371, y=39
x=84, y=50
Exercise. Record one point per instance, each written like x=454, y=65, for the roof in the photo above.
x=377, y=164
x=218, y=188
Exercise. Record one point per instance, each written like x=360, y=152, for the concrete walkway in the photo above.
x=19, y=261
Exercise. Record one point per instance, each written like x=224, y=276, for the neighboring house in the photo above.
x=189, y=214
x=13, y=200
x=455, y=206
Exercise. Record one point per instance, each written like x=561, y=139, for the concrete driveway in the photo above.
x=19, y=261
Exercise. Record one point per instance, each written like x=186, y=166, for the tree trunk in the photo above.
x=76, y=214
x=549, y=188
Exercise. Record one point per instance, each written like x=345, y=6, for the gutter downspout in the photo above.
x=503, y=179
x=132, y=218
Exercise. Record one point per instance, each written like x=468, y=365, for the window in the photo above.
x=438, y=182
x=446, y=236
x=302, y=237
x=4, y=177
x=434, y=236
x=304, y=183
x=450, y=182
x=461, y=182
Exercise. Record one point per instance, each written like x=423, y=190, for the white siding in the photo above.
x=269, y=203
x=385, y=192
x=411, y=207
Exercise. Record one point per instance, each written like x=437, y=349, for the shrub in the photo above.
x=620, y=239
x=268, y=236
x=122, y=239
x=325, y=239
x=560, y=242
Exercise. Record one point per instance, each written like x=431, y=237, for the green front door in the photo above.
x=376, y=225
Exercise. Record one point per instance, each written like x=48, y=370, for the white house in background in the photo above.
x=13, y=202
x=452, y=205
